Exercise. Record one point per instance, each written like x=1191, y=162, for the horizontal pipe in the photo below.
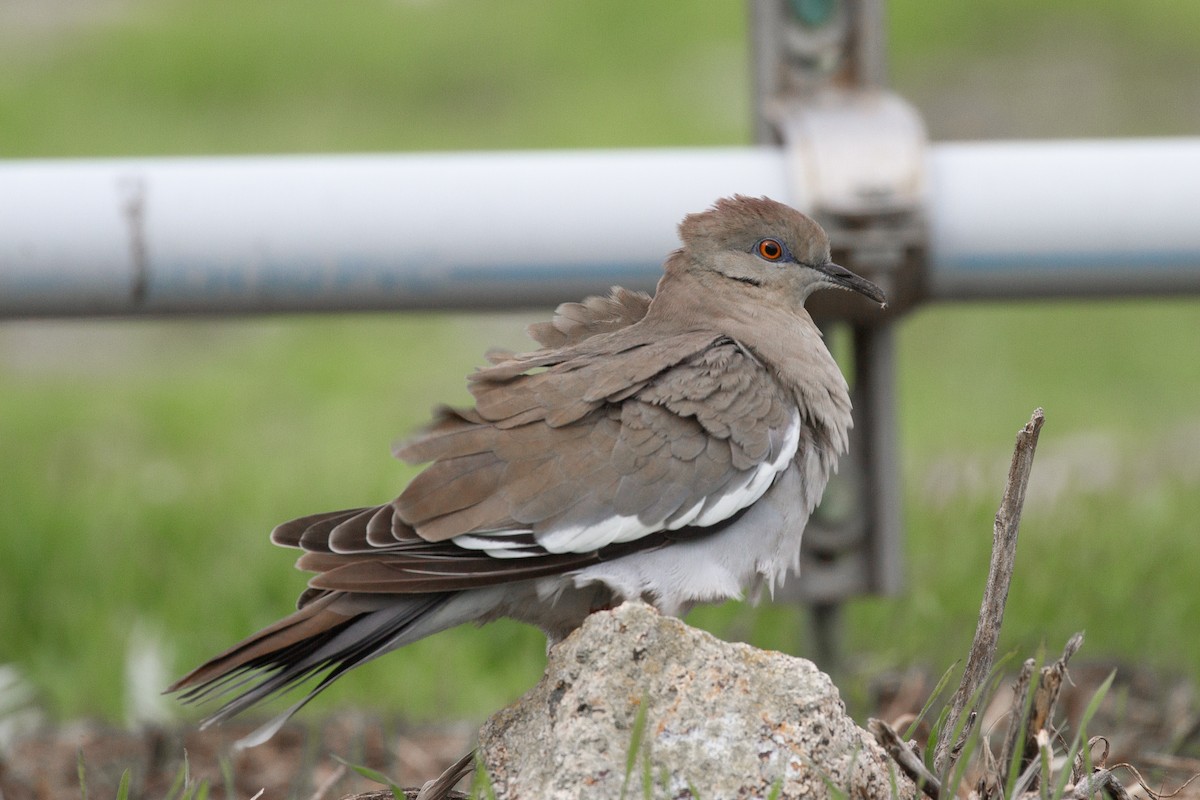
x=1075, y=218
x=202, y=235
x=508, y=230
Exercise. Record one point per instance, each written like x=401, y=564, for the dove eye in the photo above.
x=770, y=249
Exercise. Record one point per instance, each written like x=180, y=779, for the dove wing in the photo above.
x=557, y=468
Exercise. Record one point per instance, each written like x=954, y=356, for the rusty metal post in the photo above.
x=858, y=153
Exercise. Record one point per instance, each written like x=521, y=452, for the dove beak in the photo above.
x=845, y=279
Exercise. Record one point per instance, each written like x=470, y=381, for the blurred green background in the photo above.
x=144, y=462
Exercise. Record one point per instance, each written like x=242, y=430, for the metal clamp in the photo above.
x=857, y=157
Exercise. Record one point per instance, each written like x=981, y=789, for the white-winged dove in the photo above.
x=669, y=449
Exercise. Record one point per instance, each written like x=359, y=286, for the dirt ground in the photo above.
x=1150, y=721
x=297, y=763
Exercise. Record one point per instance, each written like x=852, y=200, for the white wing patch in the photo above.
x=580, y=538
x=584, y=538
x=496, y=547
x=756, y=483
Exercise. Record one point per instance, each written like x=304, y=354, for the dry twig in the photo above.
x=995, y=594
x=1101, y=779
x=1079, y=768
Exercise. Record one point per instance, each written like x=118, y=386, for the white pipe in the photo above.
x=215, y=235
x=1064, y=218
x=350, y=232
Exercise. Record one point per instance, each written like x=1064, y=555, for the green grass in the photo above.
x=143, y=490
x=1111, y=548
x=145, y=462
x=230, y=77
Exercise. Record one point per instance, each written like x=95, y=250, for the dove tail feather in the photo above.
x=316, y=640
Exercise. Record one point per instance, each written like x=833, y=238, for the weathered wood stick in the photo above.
x=995, y=593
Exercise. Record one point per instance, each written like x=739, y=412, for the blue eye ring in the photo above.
x=771, y=250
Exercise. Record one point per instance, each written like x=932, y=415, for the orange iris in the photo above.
x=770, y=249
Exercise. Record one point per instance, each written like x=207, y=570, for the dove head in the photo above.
x=761, y=243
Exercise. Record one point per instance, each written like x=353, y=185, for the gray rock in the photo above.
x=721, y=721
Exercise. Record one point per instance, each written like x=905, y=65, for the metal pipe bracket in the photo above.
x=857, y=158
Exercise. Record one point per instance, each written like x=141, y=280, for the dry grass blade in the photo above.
x=1032, y=710
x=1011, y=754
x=322, y=791
x=440, y=788
x=905, y=758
